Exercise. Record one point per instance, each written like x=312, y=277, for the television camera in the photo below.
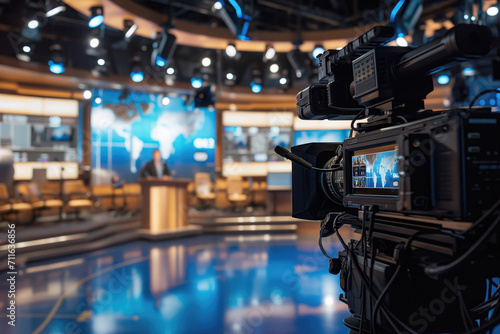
x=420, y=187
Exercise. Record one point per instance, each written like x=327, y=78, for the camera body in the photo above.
x=420, y=187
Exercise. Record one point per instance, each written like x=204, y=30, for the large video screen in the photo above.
x=254, y=144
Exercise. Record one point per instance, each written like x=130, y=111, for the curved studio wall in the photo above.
x=126, y=128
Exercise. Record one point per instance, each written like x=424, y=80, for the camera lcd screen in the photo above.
x=375, y=171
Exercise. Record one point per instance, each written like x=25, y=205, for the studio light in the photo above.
x=443, y=79
x=170, y=70
x=33, y=24
x=256, y=87
x=130, y=28
x=468, y=71
x=401, y=41
x=283, y=81
x=96, y=16
x=298, y=61
x=492, y=10
x=206, y=61
x=94, y=42
x=196, y=82
x=318, y=50
x=98, y=100
x=163, y=48
x=101, y=62
x=24, y=52
x=270, y=52
x=218, y=5
x=136, y=73
x=165, y=101
x=274, y=68
x=87, y=94
x=256, y=83
x=231, y=50
x=54, y=10
x=56, y=59
x=229, y=76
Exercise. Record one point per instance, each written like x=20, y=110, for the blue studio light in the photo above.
x=56, y=68
x=196, y=82
x=96, y=21
x=443, y=79
x=160, y=61
x=468, y=71
x=256, y=88
x=137, y=76
x=317, y=51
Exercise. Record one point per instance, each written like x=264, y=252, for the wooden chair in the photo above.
x=76, y=196
x=9, y=206
x=30, y=193
x=203, y=188
x=234, y=190
x=103, y=197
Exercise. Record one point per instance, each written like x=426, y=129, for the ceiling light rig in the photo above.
x=257, y=81
x=163, y=48
x=231, y=50
x=235, y=17
x=136, y=72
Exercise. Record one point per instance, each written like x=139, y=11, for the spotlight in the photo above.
x=33, y=24
x=468, y=71
x=229, y=76
x=165, y=101
x=136, y=73
x=318, y=50
x=196, y=82
x=96, y=16
x=98, y=100
x=492, y=11
x=274, y=68
x=54, y=10
x=56, y=60
x=130, y=28
x=283, y=81
x=101, y=62
x=218, y=5
x=170, y=71
x=87, y=94
x=401, y=41
x=231, y=50
x=256, y=83
x=270, y=52
x=256, y=87
x=163, y=48
x=24, y=52
x=443, y=79
x=94, y=42
x=206, y=61
x=298, y=61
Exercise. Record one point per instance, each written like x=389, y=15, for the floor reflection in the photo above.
x=207, y=284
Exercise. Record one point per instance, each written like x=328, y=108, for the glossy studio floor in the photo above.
x=204, y=284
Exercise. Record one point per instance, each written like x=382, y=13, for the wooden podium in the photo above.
x=164, y=204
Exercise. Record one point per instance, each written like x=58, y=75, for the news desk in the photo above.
x=164, y=204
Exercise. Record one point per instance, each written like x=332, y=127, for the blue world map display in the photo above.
x=126, y=131
x=375, y=170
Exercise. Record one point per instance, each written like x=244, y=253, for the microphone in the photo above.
x=280, y=150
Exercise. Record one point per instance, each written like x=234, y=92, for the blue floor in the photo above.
x=206, y=284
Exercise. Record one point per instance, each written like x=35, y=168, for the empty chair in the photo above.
x=103, y=196
x=30, y=193
x=9, y=206
x=132, y=197
x=203, y=188
x=76, y=196
x=234, y=190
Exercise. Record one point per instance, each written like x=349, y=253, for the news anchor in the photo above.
x=156, y=168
